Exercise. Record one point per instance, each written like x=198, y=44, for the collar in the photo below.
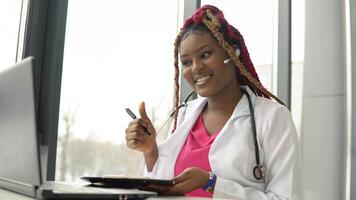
x=189, y=118
x=242, y=108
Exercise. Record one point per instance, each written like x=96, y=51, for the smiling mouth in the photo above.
x=202, y=80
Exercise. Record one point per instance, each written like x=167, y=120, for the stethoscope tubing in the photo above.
x=253, y=124
x=258, y=170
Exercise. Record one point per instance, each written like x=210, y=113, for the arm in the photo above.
x=151, y=158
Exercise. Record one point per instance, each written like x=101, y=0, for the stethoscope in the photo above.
x=259, y=170
x=183, y=104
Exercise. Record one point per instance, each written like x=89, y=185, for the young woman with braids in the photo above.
x=211, y=151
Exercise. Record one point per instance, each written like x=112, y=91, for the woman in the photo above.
x=233, y=142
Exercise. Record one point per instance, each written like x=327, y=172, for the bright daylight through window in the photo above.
x=257, y=29
x=116, y=58
x=113, y=58
x=10, y=14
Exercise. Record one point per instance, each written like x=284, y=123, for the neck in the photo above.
x=225, y=102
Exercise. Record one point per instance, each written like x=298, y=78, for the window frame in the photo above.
x=282, y=61
x=44, y=40
x=350, y=5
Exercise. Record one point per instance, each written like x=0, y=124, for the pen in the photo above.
x=133, y=116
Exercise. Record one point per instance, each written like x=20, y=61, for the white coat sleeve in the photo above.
x=282, y=160
x=154, y=173
x=160, y=167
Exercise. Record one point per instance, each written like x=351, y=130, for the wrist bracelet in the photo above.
x=209, y=186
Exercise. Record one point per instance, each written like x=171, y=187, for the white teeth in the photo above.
x=202, y=80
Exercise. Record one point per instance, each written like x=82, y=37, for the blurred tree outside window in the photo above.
x=116, y=55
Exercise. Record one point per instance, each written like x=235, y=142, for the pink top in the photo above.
x=195, y=153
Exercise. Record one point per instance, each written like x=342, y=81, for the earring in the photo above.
x=237, y=51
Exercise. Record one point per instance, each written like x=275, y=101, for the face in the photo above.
x=203, y=65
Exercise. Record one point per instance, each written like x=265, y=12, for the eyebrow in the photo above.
x=197, y=50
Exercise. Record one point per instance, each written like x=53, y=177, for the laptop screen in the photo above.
x=18, y=142
x=20, y=169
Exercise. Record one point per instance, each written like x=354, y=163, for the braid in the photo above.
x=247, y=72
x=176, y=82
x=216, y=25
x=244, y=56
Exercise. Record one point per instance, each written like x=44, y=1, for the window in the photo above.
x=116, y=55
x=298, y=27
x=10, y=15
x=255, y=23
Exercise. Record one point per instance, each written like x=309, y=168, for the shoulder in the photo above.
x=273, y=117
x=268, y=108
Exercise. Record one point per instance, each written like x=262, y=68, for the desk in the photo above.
x=8, y=195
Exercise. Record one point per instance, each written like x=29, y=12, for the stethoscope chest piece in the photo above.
x=259, y=172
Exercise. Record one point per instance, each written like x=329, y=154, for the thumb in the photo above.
x=142, y=110
x=180, y=178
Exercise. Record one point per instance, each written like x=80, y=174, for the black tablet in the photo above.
x=125, y=182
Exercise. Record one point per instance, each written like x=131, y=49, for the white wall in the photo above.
x=324, y=113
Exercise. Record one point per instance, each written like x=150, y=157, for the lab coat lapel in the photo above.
x=170, y=149
x=191, y=114
x=242, y=108
x=179, y=136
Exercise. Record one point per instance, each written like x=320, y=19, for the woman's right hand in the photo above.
x=137, y=138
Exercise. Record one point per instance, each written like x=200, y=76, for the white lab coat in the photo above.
x=232, y=155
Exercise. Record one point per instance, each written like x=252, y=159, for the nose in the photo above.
x=197, y=66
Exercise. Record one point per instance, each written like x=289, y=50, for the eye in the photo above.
x=206, y=54
x=186, y=63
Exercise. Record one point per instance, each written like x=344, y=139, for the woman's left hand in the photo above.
x=190, y=179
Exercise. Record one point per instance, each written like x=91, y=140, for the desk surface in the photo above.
x=5, y=194
x=8, y=195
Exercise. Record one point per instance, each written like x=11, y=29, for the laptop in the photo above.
x=20, y=168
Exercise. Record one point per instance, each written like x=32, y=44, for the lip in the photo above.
x=202, y=79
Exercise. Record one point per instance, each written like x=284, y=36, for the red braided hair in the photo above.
x=229, y=38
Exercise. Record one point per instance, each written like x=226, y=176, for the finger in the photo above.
x=182, y=188
x=135, y=128
x=134, y=132
x=134, y=144
x=144, y=123
x=142, y=110
x=177, y=189
x=181, y=177
x=159, y=189
x=141, y=121
x=134, y=136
